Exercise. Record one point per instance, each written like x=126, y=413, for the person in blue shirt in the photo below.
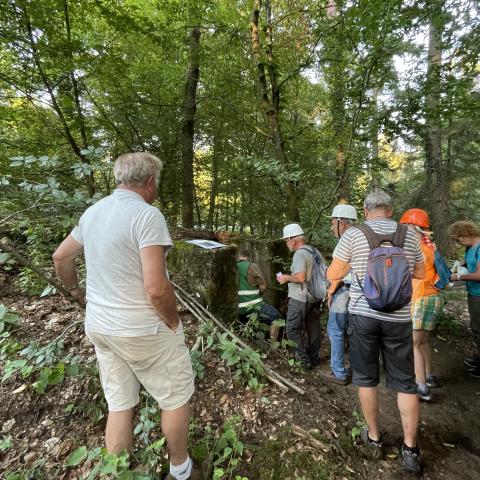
x=468, y=235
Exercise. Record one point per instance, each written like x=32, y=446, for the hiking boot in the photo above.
x=473, y=361
x=432, y=382
x=375, y=446
x=330, y=377
x=474, y=372
x=306, y=366
x=195, y=474
x=315, y=362
x=424, y=395
x=410, y=460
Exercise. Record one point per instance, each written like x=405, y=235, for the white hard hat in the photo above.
x=292, y=230
x=344, y=211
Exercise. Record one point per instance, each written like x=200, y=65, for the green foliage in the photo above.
x=36, y=471
x=103, y=464
x=227, y=449
x=150, y=416
x=5, y=443
x=8, y=319
x=245, y=361
x=223, y=450
x=6, y=261
x=197, y=365
x=359, y=424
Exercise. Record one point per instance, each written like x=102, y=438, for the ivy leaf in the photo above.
x=5, y=443
x=11, y=367
x=50, y=290
x=76, y=456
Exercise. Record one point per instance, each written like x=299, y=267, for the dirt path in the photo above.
x=44, y=428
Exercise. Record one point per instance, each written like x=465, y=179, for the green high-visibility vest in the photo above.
x=248, y=295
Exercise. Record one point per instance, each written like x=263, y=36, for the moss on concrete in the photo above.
x=209, y=274
x=212, y=274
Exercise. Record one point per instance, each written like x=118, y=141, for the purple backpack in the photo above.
x=388, y=281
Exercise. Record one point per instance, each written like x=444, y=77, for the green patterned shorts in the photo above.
x=425, y=312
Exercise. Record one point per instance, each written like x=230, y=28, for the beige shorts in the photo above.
x=161, y=363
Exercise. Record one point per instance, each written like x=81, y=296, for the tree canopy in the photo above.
x=263, y=111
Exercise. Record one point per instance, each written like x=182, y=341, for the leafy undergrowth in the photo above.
x=53, y=411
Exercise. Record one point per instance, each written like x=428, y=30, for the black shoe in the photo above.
x=474, y=372
x=306, y=366
x=376, y=446
x=432, y=382
x=410, y=460
x=424, y=395
x=473, y=362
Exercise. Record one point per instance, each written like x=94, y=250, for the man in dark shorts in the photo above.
x=372, y=332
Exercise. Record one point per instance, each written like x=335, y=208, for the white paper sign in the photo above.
x=208, y=244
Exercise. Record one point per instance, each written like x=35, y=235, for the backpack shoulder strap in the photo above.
x=400, y=235
x=371, y=236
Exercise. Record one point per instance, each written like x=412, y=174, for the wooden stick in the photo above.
x=309, y=438
x=199, y=317
x=39, y=271
x=268, y=370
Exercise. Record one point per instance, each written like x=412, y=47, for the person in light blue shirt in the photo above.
x=468, y=235
x=343, y=217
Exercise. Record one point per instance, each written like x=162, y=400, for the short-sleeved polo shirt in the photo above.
x=353, y=248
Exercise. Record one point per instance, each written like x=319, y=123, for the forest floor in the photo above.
x=39, y=431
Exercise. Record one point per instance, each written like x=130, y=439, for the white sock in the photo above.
x=183, y=471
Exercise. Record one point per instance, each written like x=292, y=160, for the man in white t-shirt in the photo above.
x=131, y=315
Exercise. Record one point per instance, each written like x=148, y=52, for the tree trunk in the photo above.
x=374, y=175
x=271, y=102
x=335, y=50
x=189, y=109
x=435, y=169
x=213, y=186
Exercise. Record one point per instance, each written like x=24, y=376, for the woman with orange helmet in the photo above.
x=426, y=304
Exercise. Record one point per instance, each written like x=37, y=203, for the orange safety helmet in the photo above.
x=416, y=216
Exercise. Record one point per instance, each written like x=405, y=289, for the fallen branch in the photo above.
x=39, y=271
x=201, y=311
x=202, y=319
x=309, y=438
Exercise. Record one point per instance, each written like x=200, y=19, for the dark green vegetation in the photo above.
x=262, y=111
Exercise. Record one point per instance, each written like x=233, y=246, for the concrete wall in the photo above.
x=212, y=274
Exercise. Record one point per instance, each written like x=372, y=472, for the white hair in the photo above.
x=378, y=199
x=135, y=168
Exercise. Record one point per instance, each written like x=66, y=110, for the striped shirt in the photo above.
x=353, y=248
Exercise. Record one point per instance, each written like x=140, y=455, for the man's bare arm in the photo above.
x=298, y=277
x=64, y=260
x=159, y=290
x=337, y=270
